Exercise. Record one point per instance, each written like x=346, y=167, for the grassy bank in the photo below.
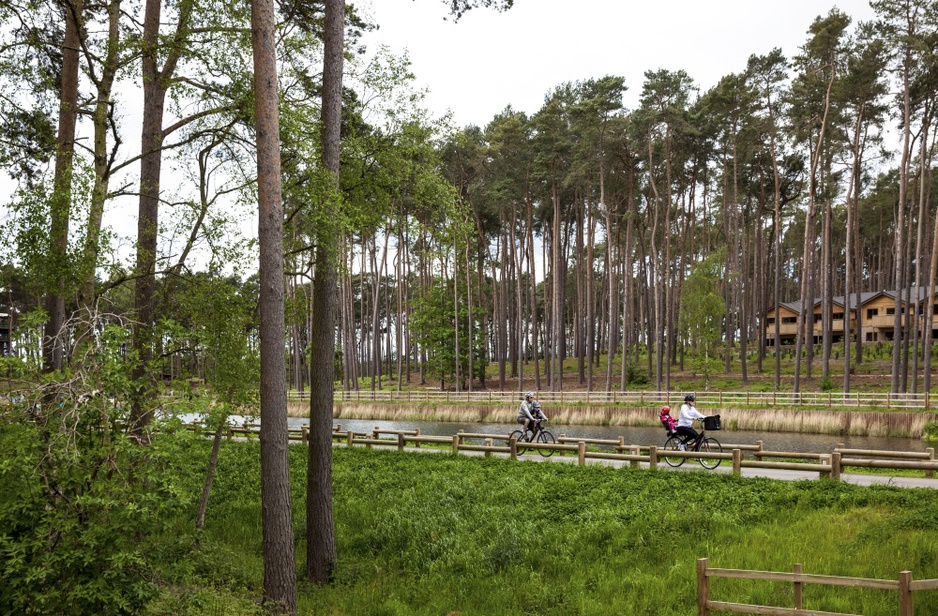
x=856, y=423
x=440, y=534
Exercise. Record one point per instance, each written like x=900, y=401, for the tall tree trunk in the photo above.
x=277, y=519
x=805, y=328
x=532, y=296
x=559, y=285
x=61, y=202
x=921, y=223
x=848, y=257
x=155, y=84
x=900, y=219
x=102, y=169
x=930, y=299
x=321, y=553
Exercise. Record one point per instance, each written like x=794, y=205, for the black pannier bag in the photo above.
x=712, y=422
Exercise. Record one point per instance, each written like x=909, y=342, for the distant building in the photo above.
x=5, y=349
x=876, y=318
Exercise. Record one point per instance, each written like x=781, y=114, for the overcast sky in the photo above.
x=489, y=60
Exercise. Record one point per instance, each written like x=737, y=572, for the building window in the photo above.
x=838, y=316
x=872, y=312
x=789, y=319
x=770, y=321
x=890, y=311
x=817, y=318
x=871, y=336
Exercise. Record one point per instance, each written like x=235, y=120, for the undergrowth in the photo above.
x=442, y=534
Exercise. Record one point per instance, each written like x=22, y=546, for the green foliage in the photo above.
x=432, y=534
x=87, y=515
x=434, y=324
x=218, y=316
x=702, y=313
x=636, y=376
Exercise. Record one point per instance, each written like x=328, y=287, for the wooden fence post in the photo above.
x=417, y=443
x=581, y=453
x=835, y=466
x=653, y=457
x=513, y=446
x=703, y=587
x=488, y=443
x=349, y=438
x=905, y=593
x=799, y=588
x=827, y=468
x=931, y=456
x=635, y=451
x=737, y=462
x=400, y=441
x=305, y=433
x=456, y=439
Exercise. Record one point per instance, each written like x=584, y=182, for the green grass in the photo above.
x=441, y=534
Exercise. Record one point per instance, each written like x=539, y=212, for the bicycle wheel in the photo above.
x=710, y=445
x=673, y=444
x=546, y=437
x=519, y=436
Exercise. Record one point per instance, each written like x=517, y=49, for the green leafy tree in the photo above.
x=702, y=313
x=87, y=515
x=434, y=323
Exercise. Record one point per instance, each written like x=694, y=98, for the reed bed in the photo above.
x=852, y=423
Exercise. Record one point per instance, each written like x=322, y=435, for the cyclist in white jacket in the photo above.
x=525, y=417
x=686, y=419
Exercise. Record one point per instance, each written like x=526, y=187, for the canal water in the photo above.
x=773, y=441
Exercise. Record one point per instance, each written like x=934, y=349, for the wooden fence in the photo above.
x=724, y=399
x=905, y=586
x=826, y=465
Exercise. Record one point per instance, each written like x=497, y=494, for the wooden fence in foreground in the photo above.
x=827, y=465
x=905, y=586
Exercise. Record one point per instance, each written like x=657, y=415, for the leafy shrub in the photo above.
x=635, y=375
x=87, y=514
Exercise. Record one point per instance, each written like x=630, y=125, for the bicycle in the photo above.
x=703, y=443
x=540, y=435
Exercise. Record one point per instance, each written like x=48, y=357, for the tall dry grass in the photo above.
x=853, y=423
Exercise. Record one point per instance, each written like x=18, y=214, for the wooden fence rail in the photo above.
x=724, y=399
x=904, y=585
x=827, y=465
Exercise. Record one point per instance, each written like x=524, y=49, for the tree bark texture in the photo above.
x=279, y=564
x=320, y=528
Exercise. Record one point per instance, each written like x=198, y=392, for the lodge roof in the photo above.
x=865, y=298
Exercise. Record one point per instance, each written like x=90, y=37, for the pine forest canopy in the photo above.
x=583, y=231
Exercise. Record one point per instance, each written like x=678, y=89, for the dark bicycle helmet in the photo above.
x=689, y=398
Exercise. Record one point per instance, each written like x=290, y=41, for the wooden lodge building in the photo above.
x=877, y=318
